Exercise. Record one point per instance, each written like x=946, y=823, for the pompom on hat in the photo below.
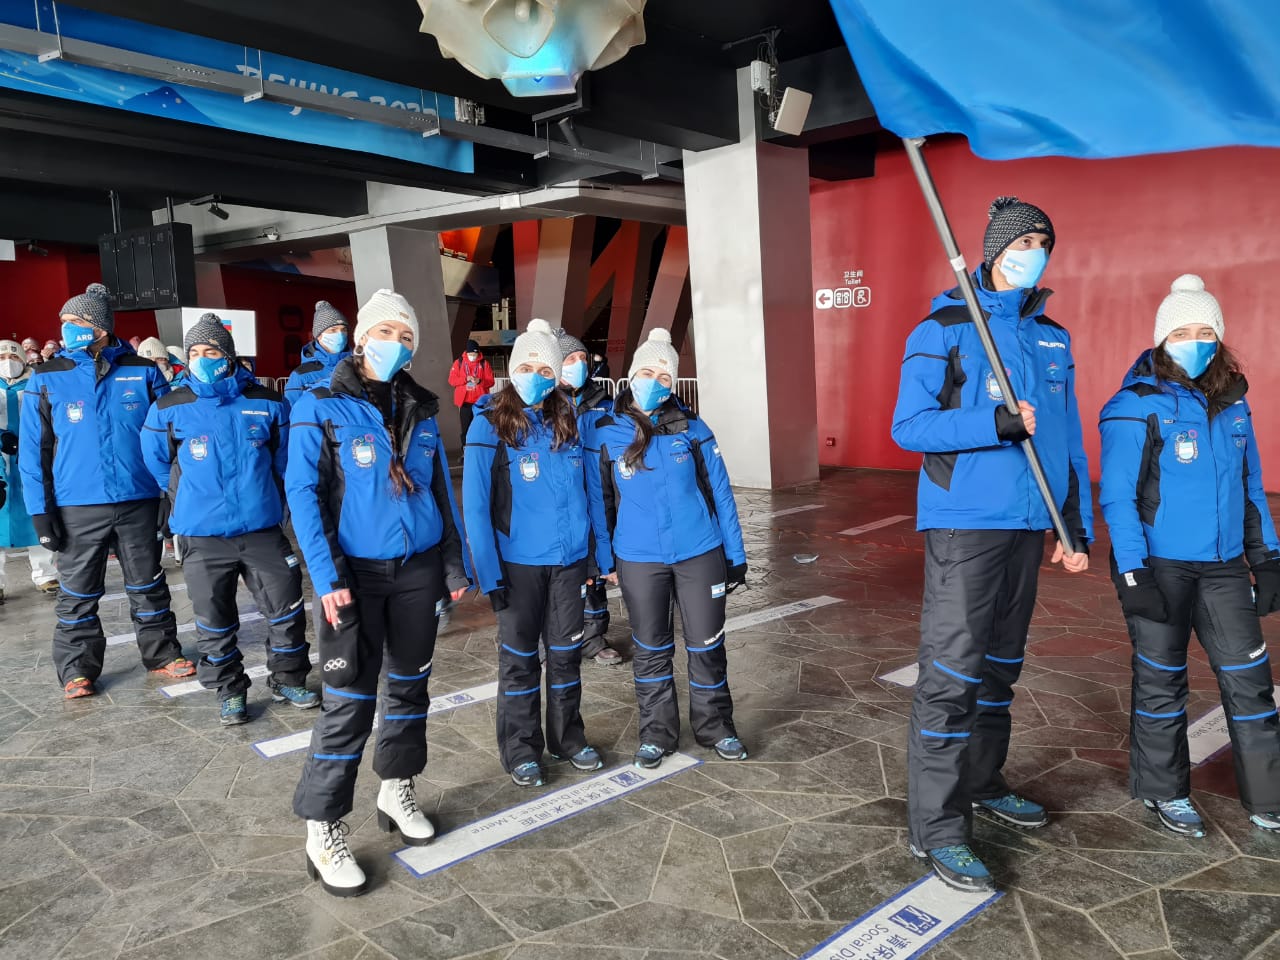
x=657, y=353
x=1008, y=218
x=1188, y=302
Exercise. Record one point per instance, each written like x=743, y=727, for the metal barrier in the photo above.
x=686, y=388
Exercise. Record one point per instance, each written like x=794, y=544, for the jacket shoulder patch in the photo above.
x=951, y=316
x=1051, y=323
x=133, y=360
x=311, y=366
x=56, y=365
x=1143, y=389
x=256, y=391
x=175, y=398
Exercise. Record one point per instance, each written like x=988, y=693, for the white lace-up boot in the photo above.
x=329, y=859
x=398, y=810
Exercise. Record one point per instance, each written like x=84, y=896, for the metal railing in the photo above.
x=686, y=388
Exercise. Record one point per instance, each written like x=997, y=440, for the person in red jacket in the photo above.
x=471, y=378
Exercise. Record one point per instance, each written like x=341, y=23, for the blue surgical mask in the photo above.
x=1193, y=356
x=386, y=358
x=532, y=387
x=334, y=342
x=574, y=374
x=210, y=369
x=649, y=393
x=1024, y=268
x=76, y=337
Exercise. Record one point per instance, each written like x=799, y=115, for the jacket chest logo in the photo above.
x=199, y=447
x=363, y=451
x=529, y=467
x=1054, y=373
x=257, y=434
x=1186, y=447
x=679, y=451
x=1237, y=431
x=427, y=439
x=75, y=411
x=131, y=399
x=625, y=470
x=993, y=387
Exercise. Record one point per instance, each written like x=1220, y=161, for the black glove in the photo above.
x=8, y=443
x=1266, y=586
x=1140, y=595
x=50, y=531
x=737, y=577
x=1009, y=426
x=498, y=598
x=166, y=510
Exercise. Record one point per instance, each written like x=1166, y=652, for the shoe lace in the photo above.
x=406, y=798
x=1010, y=800
x=335, y=841
x=959, y=855
x=1181, y=808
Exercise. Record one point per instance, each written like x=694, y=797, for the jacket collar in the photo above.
x=669, y=418
x=224, y=390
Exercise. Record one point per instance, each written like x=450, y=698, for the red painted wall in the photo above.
x=1125, y=229
x=285, y=306
x=34, y=288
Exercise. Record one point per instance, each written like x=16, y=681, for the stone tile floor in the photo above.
x=134, y=826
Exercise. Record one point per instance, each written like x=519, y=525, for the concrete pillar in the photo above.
x=408, y=262
x=564, y=261
x=749, y=257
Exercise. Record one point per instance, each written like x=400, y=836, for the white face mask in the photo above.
x=11, y=368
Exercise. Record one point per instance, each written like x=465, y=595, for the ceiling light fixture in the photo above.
x=537, y=48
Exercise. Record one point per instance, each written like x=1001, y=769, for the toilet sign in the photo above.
x=853, y=294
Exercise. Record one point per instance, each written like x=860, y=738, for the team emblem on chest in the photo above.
x=529, y=467
x=199, y=447
x=679, y=451
x=257, y=434
x=75, y=411
x=1056, y=384
x=427, y=439
x=993, y=387
x=363, y=451
x=625, y=470
x=1185, y=446
x=131, y=400
x=1237, y=428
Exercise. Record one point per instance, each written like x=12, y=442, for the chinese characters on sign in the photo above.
x=854, y=293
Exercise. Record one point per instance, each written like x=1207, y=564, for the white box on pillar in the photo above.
x=242, y=324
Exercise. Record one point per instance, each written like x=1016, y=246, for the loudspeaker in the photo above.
x=793, y=111
x=149, y=268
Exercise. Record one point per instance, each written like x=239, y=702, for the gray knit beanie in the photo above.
x=1010, y=219
x=209, y=331
x=93, y=305
x=327, y=315
x=568, y=342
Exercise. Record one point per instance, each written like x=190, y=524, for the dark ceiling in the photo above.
x=677, y=90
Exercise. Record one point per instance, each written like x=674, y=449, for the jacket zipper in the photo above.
x=1213, y=455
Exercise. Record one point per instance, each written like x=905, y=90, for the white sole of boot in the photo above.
x=314, y=873
x=387, y=824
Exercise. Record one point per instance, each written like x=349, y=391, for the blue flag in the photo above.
x=1075, y=78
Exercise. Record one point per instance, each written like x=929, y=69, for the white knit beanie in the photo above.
x=1187, y=302
x=386, y=305
x=152, y=349
x=538, y=346
x=658, y=354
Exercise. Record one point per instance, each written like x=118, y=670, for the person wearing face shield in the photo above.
x=1183, y=496
x=225, y=425
x=590, y=401
x=665, y=510
x=88, y=491
x=374, y=513
x=471, y=378
x=984, y=522
x=525, y=502
x=16, y=529
x=329, y=347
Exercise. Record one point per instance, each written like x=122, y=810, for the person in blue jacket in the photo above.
x=666, y=511
x=218, y=447
x=16, y=529
x=590, y=401
x=1183, y=496
x=524, y=500
x=88, y=490
x=984, y=521
x=373, y=511
x=328, y=348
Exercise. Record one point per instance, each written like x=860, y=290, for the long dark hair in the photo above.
x=510, y=417
x=1223, y=373
x=633, y=456
x=401, y=483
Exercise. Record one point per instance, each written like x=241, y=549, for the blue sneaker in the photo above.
x=300, y=697
x=528, y=775
x=1266, y=821
x=958, y=867
x=731, y=748
x=587, y=759
x=1178, y=815
x=1014, y=809
x=235, y=710
x=650, y=755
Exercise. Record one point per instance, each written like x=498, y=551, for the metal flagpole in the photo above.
x=934, y=202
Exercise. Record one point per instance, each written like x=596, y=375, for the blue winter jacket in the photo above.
x=219, y=449
x=81, y=441
x=525, y=504
x=339, y=487
x=315, y=370
x=1181, y=479
x=678, y=505
x=947, y=400
x=15, y=525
